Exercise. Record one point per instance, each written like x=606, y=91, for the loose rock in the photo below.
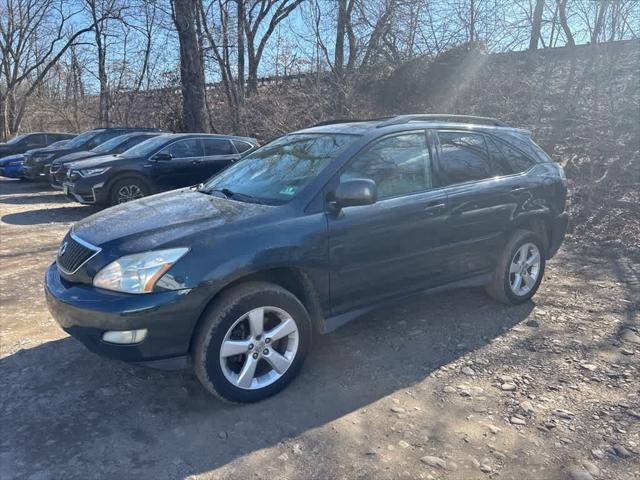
x=621, y=451
x=468, y=371
x=577, y=473
x=434, y=462
x=591, y=468
x=630, y=336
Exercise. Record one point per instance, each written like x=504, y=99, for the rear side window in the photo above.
x=187, y=148
x=132, y=143
x=242, y=146
x=400, y=165
x=36, y=140
x=464, y=157
x=217, y=146
x=518, y=161
x=101, y=138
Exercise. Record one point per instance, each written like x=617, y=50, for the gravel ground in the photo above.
x=450, y=386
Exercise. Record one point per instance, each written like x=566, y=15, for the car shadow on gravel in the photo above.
x=48, y=215
x=34, y=199
x=67, y=412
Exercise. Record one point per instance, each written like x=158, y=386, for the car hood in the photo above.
x=11, y=158
x=70, y=157
x=101, y=161
x=159, y=219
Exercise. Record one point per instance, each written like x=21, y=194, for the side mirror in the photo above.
x=162, y=157
x=352, y=193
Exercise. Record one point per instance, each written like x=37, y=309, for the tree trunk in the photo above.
x=240, y=37
x=191, y=72
x=338, y=59
x=252, y=73
x=536, y=25
x=4, y=124
x=601, y=12
x=101, y=45
x=562, y=13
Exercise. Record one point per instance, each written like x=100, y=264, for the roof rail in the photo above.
x=350, y=120
x=436, y=117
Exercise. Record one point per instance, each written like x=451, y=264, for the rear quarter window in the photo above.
x=242, y=146
x=517, y=160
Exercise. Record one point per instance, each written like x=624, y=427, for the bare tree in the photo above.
x=536, y=25
x=191, y=71
x=562, y=15
x=262, y=16
x=34, y=35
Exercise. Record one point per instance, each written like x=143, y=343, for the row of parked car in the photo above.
x=108, y=166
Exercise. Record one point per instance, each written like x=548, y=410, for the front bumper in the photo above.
x=38, y=172
x=558, y=231
x=12, y=171
x=85, y=191
x=57, y=176
x=85, y=313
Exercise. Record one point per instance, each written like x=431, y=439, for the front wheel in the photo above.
x=519, y=270
x=126, y=190
x=251, y=343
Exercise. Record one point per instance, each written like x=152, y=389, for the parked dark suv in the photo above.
x=36, y=165
x=28, y=141
x=305, y=234
x=115, y=146
x=162, y=163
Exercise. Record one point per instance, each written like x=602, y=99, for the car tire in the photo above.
x=519, y=270
x=127, y=189
x=239, y=363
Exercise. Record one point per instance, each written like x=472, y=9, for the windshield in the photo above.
x=275, y=173
x=58, y=144
x=110, y=145
x=81, y=139
x=16, y=139
x=147, y=147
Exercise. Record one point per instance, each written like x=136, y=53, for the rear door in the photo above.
x=393, y=246
x=184, y=167
x=218, y=154
x=481, y=198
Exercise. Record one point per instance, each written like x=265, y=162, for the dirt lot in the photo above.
x=448, y=386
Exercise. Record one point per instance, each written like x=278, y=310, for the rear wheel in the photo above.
x=128, y=189
x=251, y=343
x=520, y=269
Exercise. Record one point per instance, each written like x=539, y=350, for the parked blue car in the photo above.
x=12, y=166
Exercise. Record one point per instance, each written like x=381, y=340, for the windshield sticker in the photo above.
x=288, y=190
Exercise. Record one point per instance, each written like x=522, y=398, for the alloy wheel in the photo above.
x=127, y=193
x=259, y=348
x=524, y=269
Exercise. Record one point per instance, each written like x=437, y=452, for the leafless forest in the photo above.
x=567, y=69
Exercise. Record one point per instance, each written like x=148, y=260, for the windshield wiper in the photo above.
x=228, y=193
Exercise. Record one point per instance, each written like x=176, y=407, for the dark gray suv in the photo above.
x=303, y=235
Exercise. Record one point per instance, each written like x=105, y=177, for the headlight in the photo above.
x=92, y=172
x=137, y=273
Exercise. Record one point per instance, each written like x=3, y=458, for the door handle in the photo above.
x=433, y=208
x=517, y=188
x=196, y=162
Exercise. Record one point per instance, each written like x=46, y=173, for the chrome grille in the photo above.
x=73, y=253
